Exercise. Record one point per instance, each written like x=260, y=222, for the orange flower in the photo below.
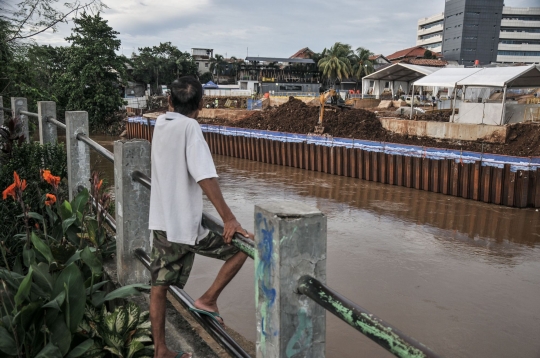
x=99, y=184
x=50, y=199
x=51, y=179
x=14, y=189
x=10, y=191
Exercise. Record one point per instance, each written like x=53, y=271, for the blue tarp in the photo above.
x=210, y=85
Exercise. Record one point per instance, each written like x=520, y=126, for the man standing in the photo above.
x=182, y=169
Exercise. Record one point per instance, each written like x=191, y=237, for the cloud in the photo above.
x=276, y=28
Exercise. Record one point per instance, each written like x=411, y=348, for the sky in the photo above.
x=275, y=28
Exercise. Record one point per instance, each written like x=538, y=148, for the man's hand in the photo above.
x=232, y=227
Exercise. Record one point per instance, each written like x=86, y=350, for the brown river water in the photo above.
x=460, y=276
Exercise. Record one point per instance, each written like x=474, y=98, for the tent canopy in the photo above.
x=516, y=76
x=446, y=77
x=403, y=72
x=210, y=85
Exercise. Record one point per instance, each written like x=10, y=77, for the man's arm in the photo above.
x=231, y=225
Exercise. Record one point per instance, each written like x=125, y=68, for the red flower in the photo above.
x=50, y=199
x=10, y=191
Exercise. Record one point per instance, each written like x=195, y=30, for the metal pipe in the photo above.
x=210, y=325
x=55, y=122
x=5, y=109
x=362, y=320
x=210, y=222
x=31, y=114
x=97, y=147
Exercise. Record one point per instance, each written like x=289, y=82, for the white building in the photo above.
x=518, y=38
x=429, y=33
x=202, y=58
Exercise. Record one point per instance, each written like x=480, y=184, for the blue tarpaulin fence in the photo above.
x=486, y=159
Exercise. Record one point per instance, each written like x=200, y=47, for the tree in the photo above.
x=361, y=64
x=429, y=55
x=161, y=64
x=335, y=63
x=217, y=63
x=32, y=17
x=94, y=71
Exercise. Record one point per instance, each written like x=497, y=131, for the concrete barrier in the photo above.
x=228, y=114
x=444, y=130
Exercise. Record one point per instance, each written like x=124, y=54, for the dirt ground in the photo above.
x=297, y=117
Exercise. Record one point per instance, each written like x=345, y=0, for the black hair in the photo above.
x=186, y=94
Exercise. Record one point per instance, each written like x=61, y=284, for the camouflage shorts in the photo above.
x=172, y=262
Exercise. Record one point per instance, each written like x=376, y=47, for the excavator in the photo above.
x=331, y=93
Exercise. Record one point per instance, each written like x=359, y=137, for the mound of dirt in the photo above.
x=297, y=117
x=433, y=116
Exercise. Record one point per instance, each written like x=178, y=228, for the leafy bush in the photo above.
x=27, y=159
x=53, y=297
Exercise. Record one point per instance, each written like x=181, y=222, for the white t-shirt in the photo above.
x=180, y=159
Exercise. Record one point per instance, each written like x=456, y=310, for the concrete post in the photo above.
x=290, y=238
x=1, y=111
x=78, y=153
x=47, y=130
x=19, y=104
x=132, y=209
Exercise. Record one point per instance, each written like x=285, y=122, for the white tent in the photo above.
x=515, y=77
x=446, y=77
x=399, y=74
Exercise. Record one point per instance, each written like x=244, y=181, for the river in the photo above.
x=460, y=276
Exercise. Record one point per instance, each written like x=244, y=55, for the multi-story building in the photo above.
x=430, y=32
x=519, y=40
x=202, y=57
x=482, y=31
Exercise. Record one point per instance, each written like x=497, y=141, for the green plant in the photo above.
x=60, y=277
x=125, y=332
x=335, y=63
x=27, y=159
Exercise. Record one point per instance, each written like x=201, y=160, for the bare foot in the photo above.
x=171, y=354
x=210, y=307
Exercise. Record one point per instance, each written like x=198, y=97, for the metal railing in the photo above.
x=372, y=327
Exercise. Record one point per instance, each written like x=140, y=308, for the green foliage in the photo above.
x=125, y=331
x=161, y=65
x=361, y=65
x=205, y=77
x=335, y=62
x=217, y=65
x=27, y=159
x=48, y=307
x=93, y=71
x=429, y=55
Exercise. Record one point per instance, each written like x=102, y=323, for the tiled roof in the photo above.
x=426, y=62
x=417, y=51
x=303, y=53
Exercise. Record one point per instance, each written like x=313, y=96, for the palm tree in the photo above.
x=361, y=65
x=335, y=63
x=216, y=65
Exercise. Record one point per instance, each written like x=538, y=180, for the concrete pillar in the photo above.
x=1, y=111
x=19, y=104
x=290, y=238
x=78, y=153
x=47, y=130
x=132, y=209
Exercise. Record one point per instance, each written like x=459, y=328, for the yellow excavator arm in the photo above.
x=322, y=100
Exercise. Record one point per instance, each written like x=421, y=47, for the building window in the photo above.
x=473, y=13
x=468, y=49
x=519, y=53
x=206, y=64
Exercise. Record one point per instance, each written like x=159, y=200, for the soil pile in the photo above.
x=433, y=116
x=297, y=117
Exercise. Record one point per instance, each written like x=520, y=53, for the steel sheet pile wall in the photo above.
x=497, y=179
